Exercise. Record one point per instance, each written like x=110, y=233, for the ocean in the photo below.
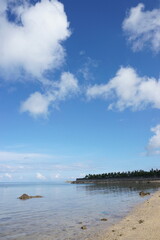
x=64, y=209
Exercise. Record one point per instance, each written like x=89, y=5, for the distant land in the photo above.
x=137, y=175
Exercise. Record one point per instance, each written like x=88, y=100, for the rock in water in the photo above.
x=84, y=227
x=104, y=219
x=142, y=194
x=25, y=197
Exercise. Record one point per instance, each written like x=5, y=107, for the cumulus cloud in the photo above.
x=38, y=104
x=40, y=176
x=154, y=142
x=128, y=90
x=143, y=28
x=32, y=42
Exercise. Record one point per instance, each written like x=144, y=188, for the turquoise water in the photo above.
x=64, y=208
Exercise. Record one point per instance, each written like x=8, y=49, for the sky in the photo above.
x=79, y=88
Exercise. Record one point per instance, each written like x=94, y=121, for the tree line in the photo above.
x=129, y=174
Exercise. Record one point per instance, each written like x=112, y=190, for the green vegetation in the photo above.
x=130, y=174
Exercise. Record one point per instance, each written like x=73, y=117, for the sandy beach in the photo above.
x=143, y=223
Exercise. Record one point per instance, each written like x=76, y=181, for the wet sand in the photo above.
x=143, y=223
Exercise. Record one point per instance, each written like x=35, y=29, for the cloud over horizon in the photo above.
x=40, y=176
x=38, y=166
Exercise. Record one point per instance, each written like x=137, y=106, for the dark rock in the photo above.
x=84, y=227
x=142, y=194
x=141, y=221
x=37, y=196
x=25, y=197
x=104, y=219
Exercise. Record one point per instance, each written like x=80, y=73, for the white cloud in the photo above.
x=56, y=176
x=154, y=142
x=32, y=44
x=10, y=156
x=67, y=86
x=143, y=28
x=33, y=41
x=82, y=175
x=72, y=166
x=87, y=68
x=40, y=176
x=9, y=168
x=3, y=6
x=7, y=175
x=38, y=104
x=129, y=90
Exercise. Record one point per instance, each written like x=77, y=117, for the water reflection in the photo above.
x=57, y=215
x=118, y=187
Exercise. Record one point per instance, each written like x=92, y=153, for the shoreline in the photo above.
x=114, y=180
x=142, y=223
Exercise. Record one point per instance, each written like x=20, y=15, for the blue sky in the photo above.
x=79, y=88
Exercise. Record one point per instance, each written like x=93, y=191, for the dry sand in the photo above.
x=142, y=224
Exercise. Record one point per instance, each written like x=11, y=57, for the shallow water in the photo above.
x=64, y=208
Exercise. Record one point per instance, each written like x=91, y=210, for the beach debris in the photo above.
x=80, y=222
x=113, y=230
x=133, y=228
x=104, y=219
x=26, y=196
x=83, y=227
x=142, y=194
x=141, y=221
